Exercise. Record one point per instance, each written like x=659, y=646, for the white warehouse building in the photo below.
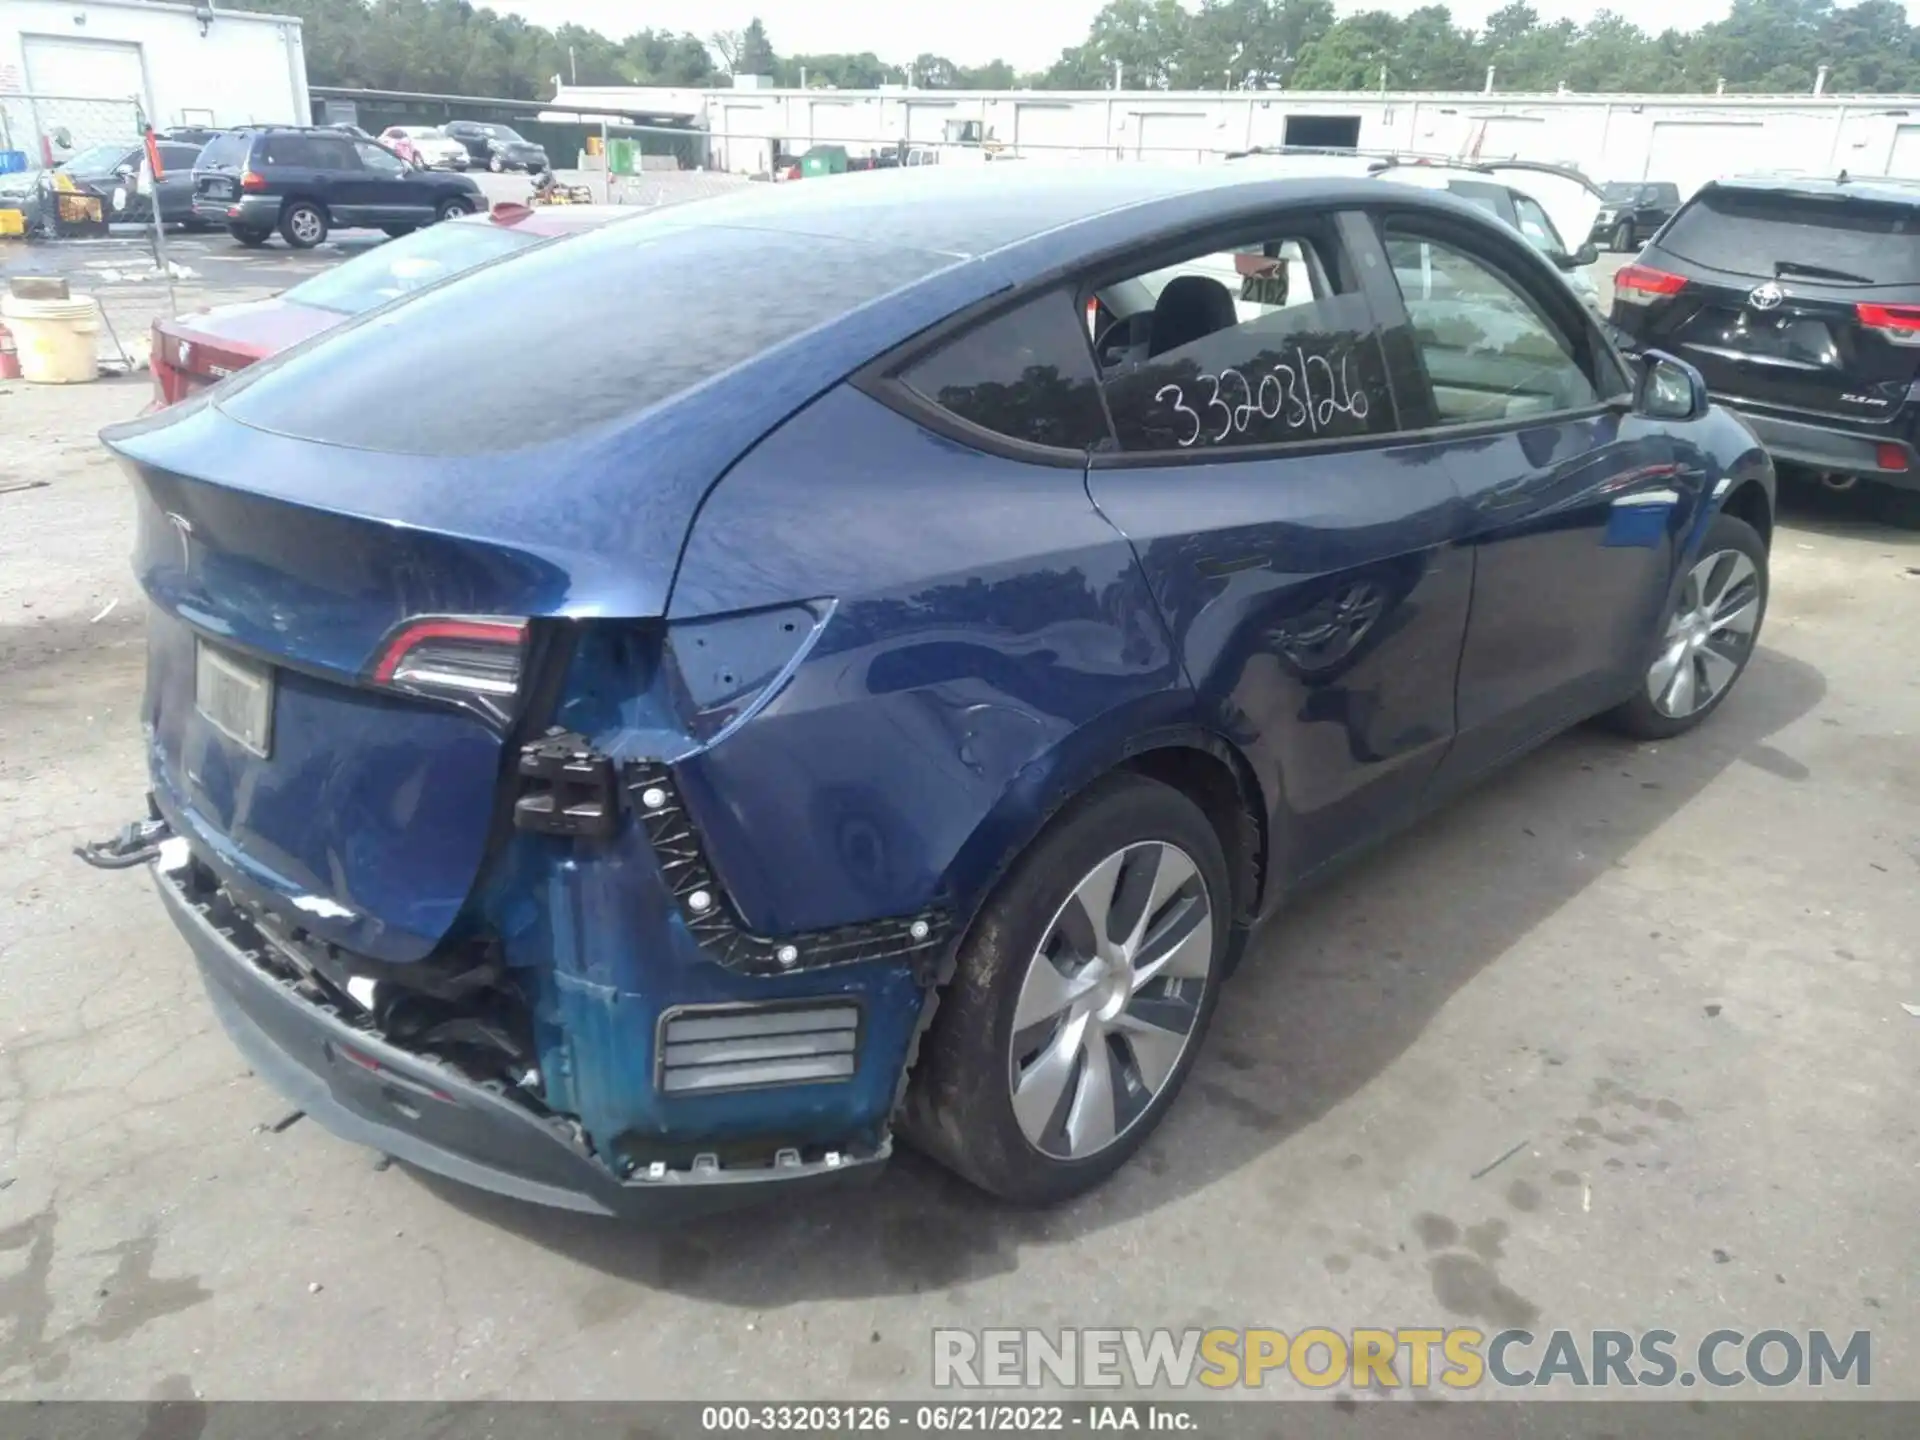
x=1686, y=139
x=85, y=69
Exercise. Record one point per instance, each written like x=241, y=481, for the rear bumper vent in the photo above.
x=704, y=1049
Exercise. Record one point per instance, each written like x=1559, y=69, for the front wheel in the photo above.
x=496, y=164
x=453, y=209
x=396, y=231
x=1709, y=636
x=1080, y=997
x=252, y=239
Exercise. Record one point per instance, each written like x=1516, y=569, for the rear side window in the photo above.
x=563, y=338
x=176, y=158
x=1769, y=233
x=1026, y=374
x=315, y=152
x=224, y=152
x=1258, y=345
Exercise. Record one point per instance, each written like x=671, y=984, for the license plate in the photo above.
x=235, y=696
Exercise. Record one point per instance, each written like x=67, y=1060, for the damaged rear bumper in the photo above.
x=429, y=1114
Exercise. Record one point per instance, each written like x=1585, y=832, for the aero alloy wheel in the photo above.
x=1079, y=995
x=1710, y=636
x=1110, y=1000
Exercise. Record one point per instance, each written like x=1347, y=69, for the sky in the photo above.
x=1029, y=34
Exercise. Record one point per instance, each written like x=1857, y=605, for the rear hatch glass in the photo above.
x=224, y=152
x=565, y=338
x=412, y=263
x=1770, y=312
x=1770, y=234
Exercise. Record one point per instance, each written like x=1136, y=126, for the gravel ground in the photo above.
x=1664, y=983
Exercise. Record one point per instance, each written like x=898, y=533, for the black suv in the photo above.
x=304, y=182
x=1632, y=210
x=498, y=147
x=1799, y=301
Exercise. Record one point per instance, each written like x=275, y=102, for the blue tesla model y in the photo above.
x=856, y=660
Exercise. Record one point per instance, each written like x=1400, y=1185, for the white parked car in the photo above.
x=427, y=145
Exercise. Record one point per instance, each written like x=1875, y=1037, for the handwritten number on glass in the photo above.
x=1304, y=393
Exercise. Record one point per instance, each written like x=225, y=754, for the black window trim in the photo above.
x=1557, y=307
x=1355, y=223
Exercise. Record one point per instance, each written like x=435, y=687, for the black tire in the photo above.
x=1639, y=716
x=396, y=231
x=453, y=209
x=1623, y=235
x=959, y=1107
x=303, y=225
x=252, y=239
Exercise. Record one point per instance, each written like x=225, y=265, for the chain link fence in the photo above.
x=48, y=130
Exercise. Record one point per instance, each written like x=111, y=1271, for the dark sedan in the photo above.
x=112, y=174
x=498, y=147
x=638, y=725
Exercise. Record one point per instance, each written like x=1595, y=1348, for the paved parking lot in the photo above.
x=1664, y=983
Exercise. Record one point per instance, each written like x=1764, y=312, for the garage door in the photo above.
x=1692, y=152
x=1168, y=136
x=88, y=69
x=927, y=122
x=1042, y=130
x=1905, y=159
x=832, y=122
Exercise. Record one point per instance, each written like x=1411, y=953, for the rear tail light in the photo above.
x=1897, y=324
x=1891, y=456
x=1642, y=284
x=253, y=180
x=471, y=662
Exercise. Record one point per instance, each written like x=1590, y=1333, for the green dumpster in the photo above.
x=824, y=160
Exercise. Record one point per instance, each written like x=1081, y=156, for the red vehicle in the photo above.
x=191, y=352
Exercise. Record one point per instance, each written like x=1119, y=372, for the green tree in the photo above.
x=935, y=72
x=756, y=51
x=1353, y=54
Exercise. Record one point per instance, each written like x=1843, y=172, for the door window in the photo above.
x=1264, y=343
x=379, y=161
x=1490, y=353
x=1025, y=374
x=1535, y=225
x=178, y=159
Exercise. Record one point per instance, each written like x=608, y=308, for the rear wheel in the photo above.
x=1708, y=638
x=1623, y=235
x=252, y=239
x=1080, y=997
x=303, y=225
x=453, y=209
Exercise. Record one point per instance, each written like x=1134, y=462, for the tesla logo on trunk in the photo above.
x=1766, y=297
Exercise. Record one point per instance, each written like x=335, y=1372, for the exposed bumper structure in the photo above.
x=428, y=1113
